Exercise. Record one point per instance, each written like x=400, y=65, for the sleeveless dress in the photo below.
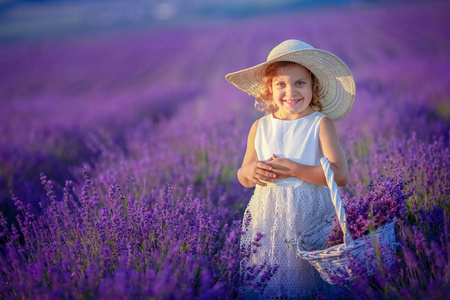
x=284, y=209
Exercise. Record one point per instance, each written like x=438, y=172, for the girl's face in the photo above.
x=292, y=92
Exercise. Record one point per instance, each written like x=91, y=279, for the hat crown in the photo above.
x=287, y=47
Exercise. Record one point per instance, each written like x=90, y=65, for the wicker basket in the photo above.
x=333, y=260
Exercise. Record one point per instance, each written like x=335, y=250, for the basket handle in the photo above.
x=337, y=201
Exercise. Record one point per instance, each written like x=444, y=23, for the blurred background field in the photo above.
x=134, y=93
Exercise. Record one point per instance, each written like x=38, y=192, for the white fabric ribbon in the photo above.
x=337, y=202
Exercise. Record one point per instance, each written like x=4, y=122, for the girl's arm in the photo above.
x=252, y=171
x=331, y=149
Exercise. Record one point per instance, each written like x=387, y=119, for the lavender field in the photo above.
x=118, y=154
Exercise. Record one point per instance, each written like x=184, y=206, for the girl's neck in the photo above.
x=279, y=115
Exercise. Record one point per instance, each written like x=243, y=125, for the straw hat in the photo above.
x=336, y=81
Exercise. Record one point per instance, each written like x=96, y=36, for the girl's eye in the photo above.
x=281, y=84
x=300, y=83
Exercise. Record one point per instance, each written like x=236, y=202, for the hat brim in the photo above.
x=336, y=81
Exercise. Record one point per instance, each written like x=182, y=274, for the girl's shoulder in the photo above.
x=327, y=129
x=254, y=128
x=326, y=123
x=264, y=119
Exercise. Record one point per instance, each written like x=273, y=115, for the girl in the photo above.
x=301, y=89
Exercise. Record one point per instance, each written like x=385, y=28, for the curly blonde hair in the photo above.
x=264, y=102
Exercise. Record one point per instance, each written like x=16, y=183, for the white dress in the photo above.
x=287, y=207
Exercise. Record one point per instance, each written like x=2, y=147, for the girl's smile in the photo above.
x=292, y=92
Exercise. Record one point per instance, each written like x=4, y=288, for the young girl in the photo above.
x=301, y=89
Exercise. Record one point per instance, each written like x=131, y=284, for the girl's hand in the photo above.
x=258, y=171
x=282, y=167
